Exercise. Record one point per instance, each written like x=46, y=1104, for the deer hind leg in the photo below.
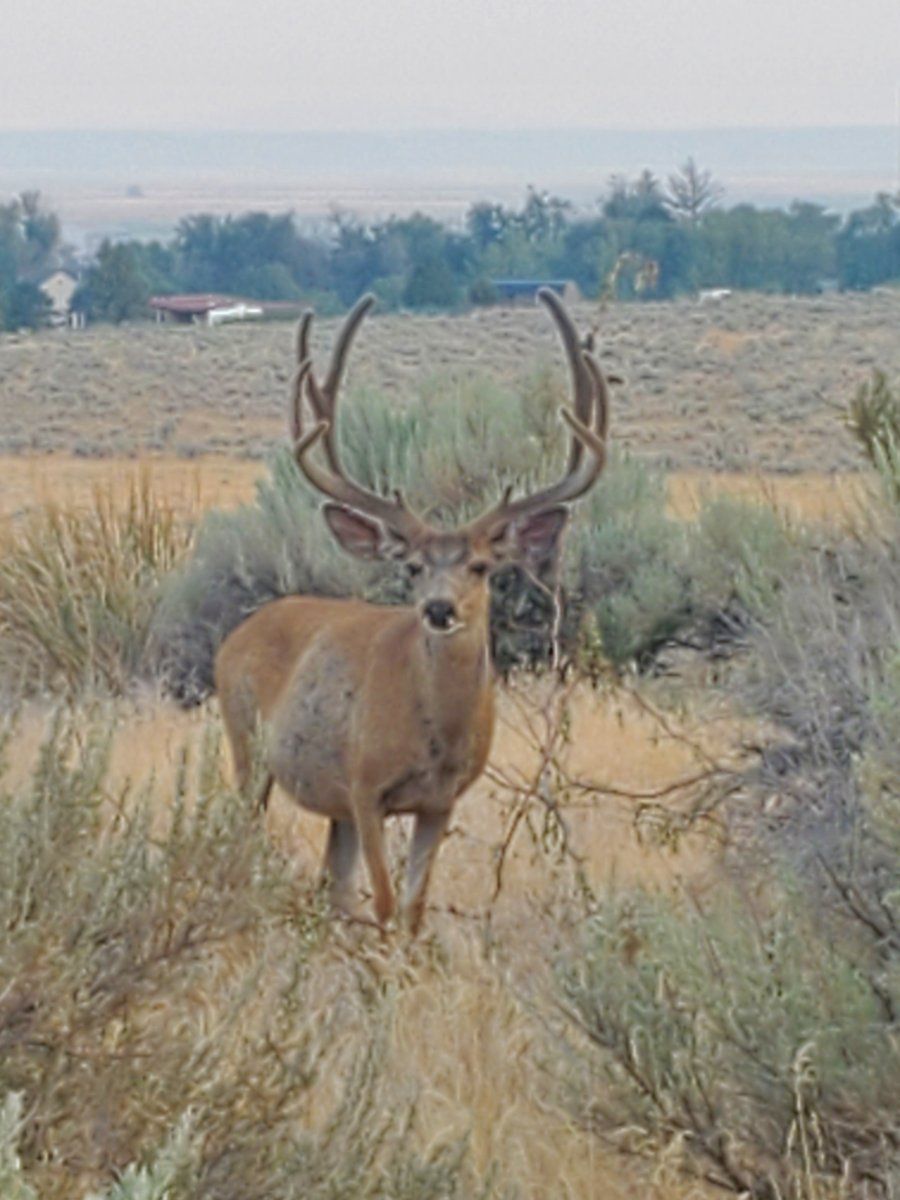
x=370, y=829
x=341, y=856
x=240, y=717
x=427, y=835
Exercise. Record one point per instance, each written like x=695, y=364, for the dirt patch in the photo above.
x=724, y=341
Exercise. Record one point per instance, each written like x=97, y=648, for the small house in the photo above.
x=59, y=287
x=193, y=308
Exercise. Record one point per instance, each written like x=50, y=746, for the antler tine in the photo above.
x=334, y=481
x=594, y=441
x=303, y=336
x=582, y=383
x=323, y=397
x=588, y=421
x=304, y=366
x=296, y=407
x=343, y=343
x=601, y=394
x=394, y=513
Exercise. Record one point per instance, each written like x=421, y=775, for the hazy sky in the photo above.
x=393, y=64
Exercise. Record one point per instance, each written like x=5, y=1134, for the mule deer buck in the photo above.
x=367, y=710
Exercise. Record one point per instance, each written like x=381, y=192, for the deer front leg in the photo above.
x=370, y=830
x=341, y=856
x=427, y=835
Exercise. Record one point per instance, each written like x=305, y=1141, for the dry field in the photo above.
x=468, y=1029
x=193, y=485
x=753, y=384
x=479, y=1069
x=742, y=398
x=475, y=987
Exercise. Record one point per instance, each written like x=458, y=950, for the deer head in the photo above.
x=450, y=570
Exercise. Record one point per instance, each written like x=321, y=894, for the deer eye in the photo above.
x=413, y=569
x=479, y=567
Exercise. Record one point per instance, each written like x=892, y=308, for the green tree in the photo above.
x=868, y=245
x=29, y=242
x=116, y=288
x=810, y=247
x=486, y=223
x=24, y=306
x=641, y=199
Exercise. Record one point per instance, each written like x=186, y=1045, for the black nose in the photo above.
x=439, y=613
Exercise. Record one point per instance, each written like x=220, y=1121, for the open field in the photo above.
x=584, y=808
x=479, y=1070
x=756, y=383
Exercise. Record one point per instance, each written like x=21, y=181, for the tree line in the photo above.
x=645, y=238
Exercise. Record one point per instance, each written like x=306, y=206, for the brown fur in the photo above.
x=368, y=711
x=364, y=713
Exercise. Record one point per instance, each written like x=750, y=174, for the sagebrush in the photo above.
x=161, y=1021
x=738, y=1039
x=633, y=573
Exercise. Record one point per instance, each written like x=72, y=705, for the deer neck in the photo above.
x=456, y=674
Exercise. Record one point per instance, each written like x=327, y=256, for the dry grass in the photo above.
x=462, y=1033
x=614, y=741
x=78, y=586
x=810, y=496
x=196, y=485
x=186, y=486
x=755, y=381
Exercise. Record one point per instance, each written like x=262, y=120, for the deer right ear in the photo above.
x=361, y=536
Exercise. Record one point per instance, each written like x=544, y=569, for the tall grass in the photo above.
x=163, y=1030
x=78, y=588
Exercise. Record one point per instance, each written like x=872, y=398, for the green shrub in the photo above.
x=874, y=420
x=820, y=670
x=625, y=565
x=741, y=554
x=741, y=1040
x=752, y=1037
x=451, y=455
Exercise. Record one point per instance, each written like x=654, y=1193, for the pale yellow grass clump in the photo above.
x=78, y=585
x=192, y=486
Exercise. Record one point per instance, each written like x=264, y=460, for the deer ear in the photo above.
x=361, y=536
x=533, y=540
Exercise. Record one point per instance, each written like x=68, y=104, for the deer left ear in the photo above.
x=362, y=536
x=533, y=540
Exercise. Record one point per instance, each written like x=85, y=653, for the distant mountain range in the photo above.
x=840, y=167
x=553, y=153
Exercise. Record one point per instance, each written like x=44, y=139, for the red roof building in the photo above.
x=192, y=307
